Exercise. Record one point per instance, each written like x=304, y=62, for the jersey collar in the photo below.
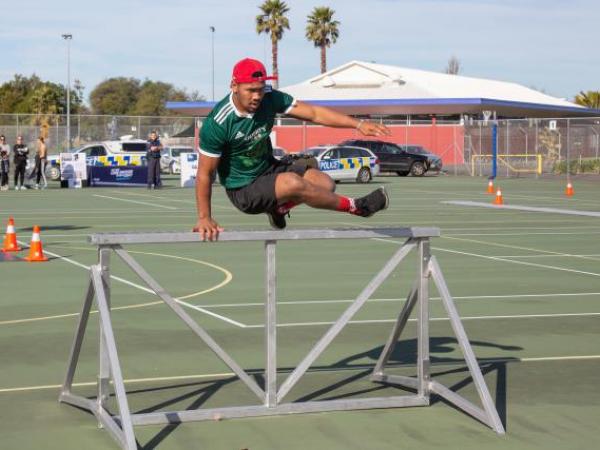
x=236, y=111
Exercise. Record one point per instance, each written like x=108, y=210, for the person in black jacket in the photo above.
x=4, y=163
x=21, y=152
x=153, y=148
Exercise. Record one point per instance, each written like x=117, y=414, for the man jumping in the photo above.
x=235, y=142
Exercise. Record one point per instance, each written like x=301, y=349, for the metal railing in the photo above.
x=270, y=394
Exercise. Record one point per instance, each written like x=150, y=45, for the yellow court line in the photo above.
x=228, y=278
x=231, y=374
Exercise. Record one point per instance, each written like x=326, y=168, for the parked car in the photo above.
x=346, y=162
x=279, y=152
x=402, y=159
x=169, y=158
x=117, y=153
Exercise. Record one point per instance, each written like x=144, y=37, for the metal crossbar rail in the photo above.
x=270, y=395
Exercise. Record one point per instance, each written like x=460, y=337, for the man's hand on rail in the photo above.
x=208, y=229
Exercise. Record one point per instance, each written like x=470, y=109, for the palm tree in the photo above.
x=589, y=99
x=272, y=21
x=323, y=31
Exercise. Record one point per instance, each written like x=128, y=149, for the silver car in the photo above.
x=169, y=158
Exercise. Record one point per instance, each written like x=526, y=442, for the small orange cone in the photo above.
x=569, y=191
x=36, y=254
x=490, y=189
x=10, y=238
x=498, y=200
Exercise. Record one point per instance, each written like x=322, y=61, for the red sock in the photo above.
x=346, y=205
x=285, y=207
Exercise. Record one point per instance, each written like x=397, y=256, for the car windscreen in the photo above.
x=314, y=151
x=133, y=147
x=417, y=150
x=178, y=151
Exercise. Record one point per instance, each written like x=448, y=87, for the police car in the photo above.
x=345, y=162
x=125, y=152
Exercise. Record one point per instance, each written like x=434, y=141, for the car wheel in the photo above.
x=53, y=173
x=171, y=170
x=417, y=169
x=364, y=175
x=402, y=173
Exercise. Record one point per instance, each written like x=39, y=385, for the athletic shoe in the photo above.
x=277, y=220
x=368, y=205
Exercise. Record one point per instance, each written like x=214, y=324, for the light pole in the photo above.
x=68, y=37
x=212, y=60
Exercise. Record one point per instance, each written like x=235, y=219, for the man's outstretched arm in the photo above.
x=331, y=118
x=206, y=225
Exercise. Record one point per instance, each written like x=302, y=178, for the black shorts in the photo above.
x=259, y=196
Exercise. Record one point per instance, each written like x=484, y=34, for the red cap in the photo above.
x=249, y=71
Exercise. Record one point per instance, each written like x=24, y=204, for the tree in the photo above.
x=115, y=96
x=152, y=97
x=323, y=31
x=589, y=99
x=453, y=67
x=273, y=22
x=31, y=95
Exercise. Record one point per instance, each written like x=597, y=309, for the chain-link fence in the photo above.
x=89, y=128
x=527, y=147
x=533, y=147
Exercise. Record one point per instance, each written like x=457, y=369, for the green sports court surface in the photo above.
x=527, y=285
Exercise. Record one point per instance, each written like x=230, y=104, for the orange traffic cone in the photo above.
x=490, y=189
x=10, y=238
x=498, y=200
x=36, y=254
x=569, y=190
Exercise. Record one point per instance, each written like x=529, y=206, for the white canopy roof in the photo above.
x=358, y=86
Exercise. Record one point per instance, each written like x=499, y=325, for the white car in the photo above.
x=345, y=162
x=169, y=158
x=104, y=153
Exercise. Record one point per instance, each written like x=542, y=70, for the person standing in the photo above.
x=40, y=163
x=21, y=152
x=153, y=148
x=4, y=163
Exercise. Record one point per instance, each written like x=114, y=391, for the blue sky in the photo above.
x=546, y=44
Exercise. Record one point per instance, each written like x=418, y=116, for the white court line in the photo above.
x=231, y=374
x=124, y=281
x=571, y=212
x=497, y=244
x=134, y=201
x=495, y=258
x=210, y=313
x=385, y=300
x=433, y=319
x=193, y=202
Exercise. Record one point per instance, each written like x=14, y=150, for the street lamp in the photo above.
x=68, y=37
x=212, y=60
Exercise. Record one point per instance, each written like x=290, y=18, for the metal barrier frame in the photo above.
x=121, y=426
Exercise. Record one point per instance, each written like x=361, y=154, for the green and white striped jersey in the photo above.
x=242, y=140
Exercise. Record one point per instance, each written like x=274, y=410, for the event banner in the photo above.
x=72, y=167
x=118, y=176
x=189, y=166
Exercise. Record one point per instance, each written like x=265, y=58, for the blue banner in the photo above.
x=117, y=176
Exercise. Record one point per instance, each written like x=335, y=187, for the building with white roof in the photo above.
x=363, y=88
